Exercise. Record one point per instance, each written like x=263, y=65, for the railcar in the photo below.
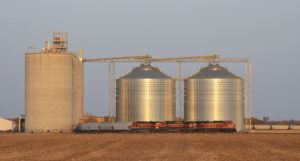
x=165, y=126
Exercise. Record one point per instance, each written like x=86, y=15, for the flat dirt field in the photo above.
x=149, y=147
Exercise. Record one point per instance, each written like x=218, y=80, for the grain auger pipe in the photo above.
x=146, y=59
x=207, y=58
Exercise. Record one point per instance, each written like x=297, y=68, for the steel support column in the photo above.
x=180, y=90
x=111, y=89
x=246, y=97
x=250, y=93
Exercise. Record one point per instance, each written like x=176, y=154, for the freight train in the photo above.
x=166, y=126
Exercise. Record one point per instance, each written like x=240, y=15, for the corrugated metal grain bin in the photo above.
x=214, y=94
x=145, y=94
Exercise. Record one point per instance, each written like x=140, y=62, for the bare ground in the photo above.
x=149, y=147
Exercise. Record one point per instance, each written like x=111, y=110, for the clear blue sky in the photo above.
x=267, y=32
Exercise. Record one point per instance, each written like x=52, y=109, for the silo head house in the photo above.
x=53, y=87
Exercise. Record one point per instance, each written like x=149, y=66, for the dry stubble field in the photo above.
x=148, y=147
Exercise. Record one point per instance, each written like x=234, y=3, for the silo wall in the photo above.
x=52, y=90
x=77, y=90
x=145, y=94
x=214, y=94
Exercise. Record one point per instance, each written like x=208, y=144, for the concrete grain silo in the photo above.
x=214, y=94
x=54, y=87
x=145, y=94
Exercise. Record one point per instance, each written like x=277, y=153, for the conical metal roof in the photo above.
x=213, y=71
x=145, y=71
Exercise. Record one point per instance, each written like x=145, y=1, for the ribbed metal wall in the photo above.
x=214, y=94
x=54, y=92
x=77, y=90
x=145, y=94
